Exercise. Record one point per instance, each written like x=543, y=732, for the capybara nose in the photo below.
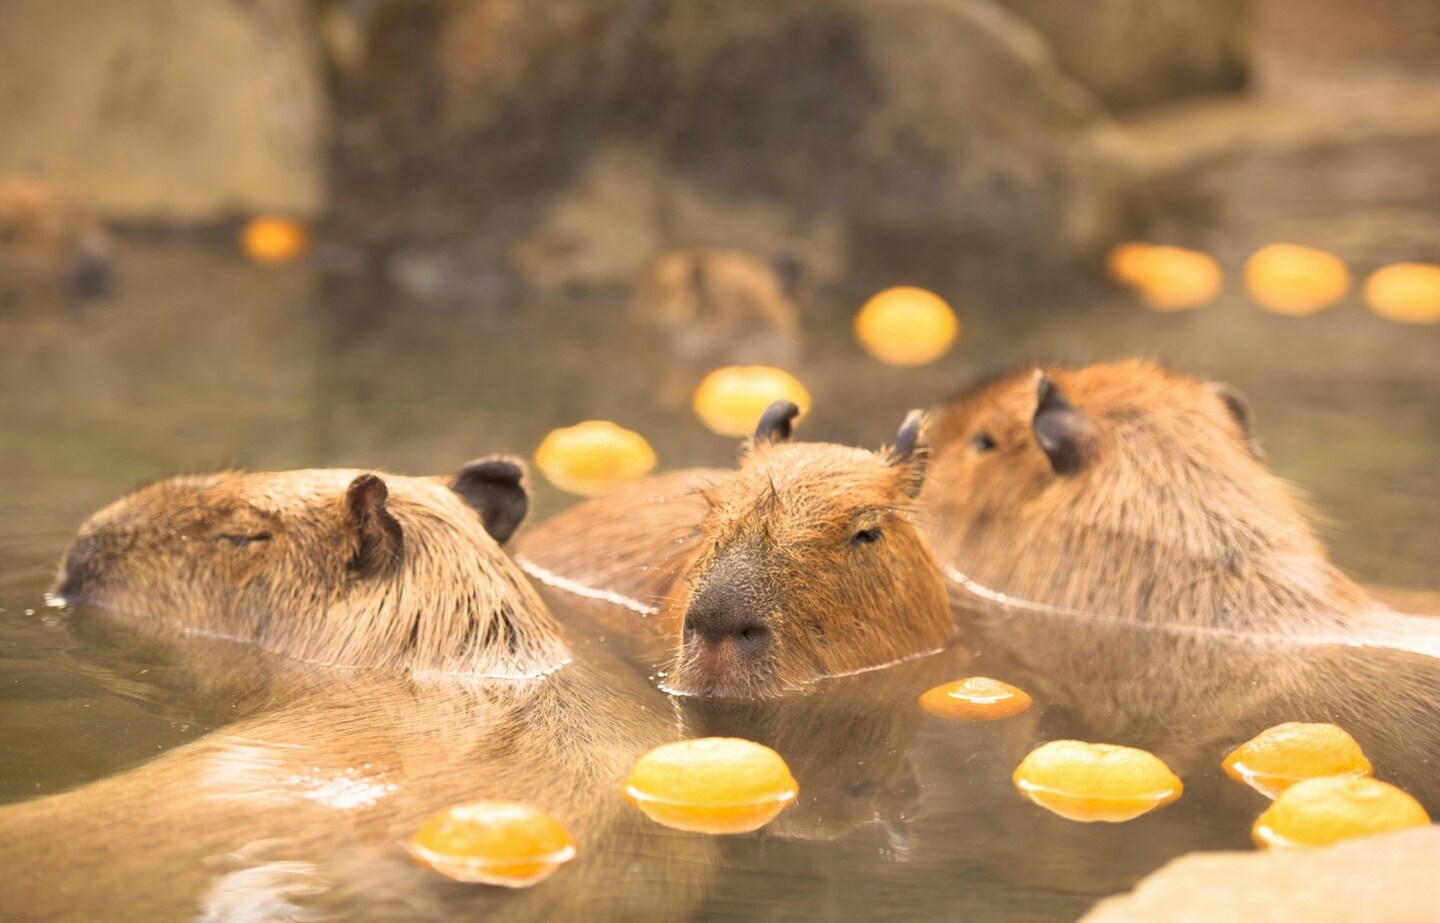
x=712, y=619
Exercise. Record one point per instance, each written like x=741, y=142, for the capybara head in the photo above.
x=1123, y=490
x=336, y=567
x=48, y=235
x=809, y=565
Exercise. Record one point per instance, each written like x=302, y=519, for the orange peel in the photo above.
x=269, y=240
x=1295, y=280
x=503, y=843
x=906, y=326
x=712, y=785
x=731, y=400
x=1096, y=782
x=1408, y=293
x=1318, y=812
x=593, y=457
x=1278, y=757
x=976, y=698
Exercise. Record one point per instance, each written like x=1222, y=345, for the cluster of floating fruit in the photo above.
x=1316, y=773
x=1281, y=278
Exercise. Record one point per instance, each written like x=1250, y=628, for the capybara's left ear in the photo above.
x=495, y=488
x=910, y=452
x=1059, y=428
x=776, y=421
x=379, y=538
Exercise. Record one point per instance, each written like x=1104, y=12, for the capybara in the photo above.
x=1113, y=532
x=803, y=563
x=711, y=305
x=344, y=568
x=51, y=242
x=431, y=675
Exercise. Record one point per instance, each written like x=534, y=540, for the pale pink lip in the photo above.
x=715, y=670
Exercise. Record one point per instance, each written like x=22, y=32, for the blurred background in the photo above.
x=465, y=193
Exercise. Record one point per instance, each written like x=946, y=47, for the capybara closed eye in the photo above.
x=329, y=566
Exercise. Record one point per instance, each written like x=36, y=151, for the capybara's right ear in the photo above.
x=495, y=488
x=379, y=538
x=910, y=451
x=776, y=422
x=1059, y=428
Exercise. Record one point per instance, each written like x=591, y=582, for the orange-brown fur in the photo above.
x=788, y=515
x=1168, y=518
x=1184, y=602
x=273, y=559
x=429, y=679
x=50, y=241
x=699, y=304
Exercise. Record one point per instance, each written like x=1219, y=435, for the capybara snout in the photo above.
x=809, y=566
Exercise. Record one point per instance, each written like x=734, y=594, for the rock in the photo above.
x=1321, y=48
x=166, y=110
x=1141, y=52
x=1380, y=879
x=932, y=140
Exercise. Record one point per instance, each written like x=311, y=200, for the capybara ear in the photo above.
x=1058, y=426
x=789, y=266
x=775, y=422
x=1239, y=409
x=910, y=451
x=495, y=488
x=379, y=538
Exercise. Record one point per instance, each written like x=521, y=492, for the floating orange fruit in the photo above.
x=1090, y=782
x=1405, y=292
x=1124, y=260
x=593, y=457
x=1290, y=279
x=978, y=698
x=1278, y=757
x=270, y=240
x=712, y=785
x=906, y=326
x=494, y=843
x=1318, y=812
x=1173, y=278
x=730, y=401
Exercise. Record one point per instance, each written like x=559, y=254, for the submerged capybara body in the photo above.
x=344, y=568
x=1131, y=492
x=1113, y=534
x=803, y=563
x=50, y=242
x=701, y=304
x=417, y=670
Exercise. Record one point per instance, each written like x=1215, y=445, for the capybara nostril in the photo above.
x=713, y=619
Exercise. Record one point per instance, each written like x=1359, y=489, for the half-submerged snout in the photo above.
x=728, y=633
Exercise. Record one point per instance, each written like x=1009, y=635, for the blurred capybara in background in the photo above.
x=804, y=563
x=434, y=676
x=718, y=306
x=51, y=244
x=327, y=566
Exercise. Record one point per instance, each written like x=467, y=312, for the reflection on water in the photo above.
x=202, y=362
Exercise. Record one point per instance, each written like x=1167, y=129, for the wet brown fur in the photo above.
x=280, y=560
x=298, y=809
x=788, y=514
x=1169, y=518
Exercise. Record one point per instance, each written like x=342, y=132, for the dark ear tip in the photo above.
x=775, y=422
x=497, y=469
x=367, y=490
x=908, y=438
